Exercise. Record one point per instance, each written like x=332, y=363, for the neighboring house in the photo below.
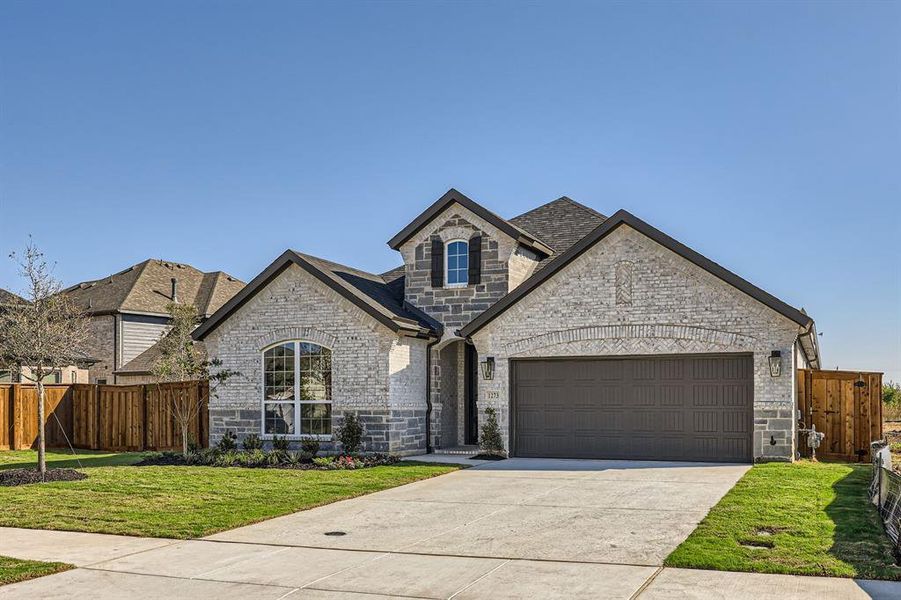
x=592, y=337
x=128, y=313
x=10, y=374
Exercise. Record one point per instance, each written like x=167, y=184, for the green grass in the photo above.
x=815, y=516
x=13, y=569
x=181, y=502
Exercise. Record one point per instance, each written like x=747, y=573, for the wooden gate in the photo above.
x=846, y=406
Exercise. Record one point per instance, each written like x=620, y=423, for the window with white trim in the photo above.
x=297, y=389
x=456, y=263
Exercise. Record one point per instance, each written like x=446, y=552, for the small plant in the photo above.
x=228, y=442
x=193, y=446
x=348, y=462
x=350, y=434
x=253, y=442
x=326, y=462
x=491, y=441
x=280, y=444
x=254, y=458
x=229, y=458
x=309, y=446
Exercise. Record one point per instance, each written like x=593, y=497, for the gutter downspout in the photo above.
x=428, y=396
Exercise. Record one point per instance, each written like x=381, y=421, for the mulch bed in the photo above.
x=11, y=477
x=488, y=456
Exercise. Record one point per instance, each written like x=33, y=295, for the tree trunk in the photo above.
x=184, y=440
x=42, y=460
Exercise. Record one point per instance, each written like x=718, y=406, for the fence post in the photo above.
x=145, y=424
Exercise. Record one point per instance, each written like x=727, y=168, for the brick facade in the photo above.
x=671, y=307
x=102, y=347
x=375, y=373
x=627, y=295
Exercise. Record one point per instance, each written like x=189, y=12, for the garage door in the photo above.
x=697, y=408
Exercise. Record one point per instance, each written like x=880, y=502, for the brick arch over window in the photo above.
x=307, y=334
x=714, y=337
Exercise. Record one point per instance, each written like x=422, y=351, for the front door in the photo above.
x=471, y=393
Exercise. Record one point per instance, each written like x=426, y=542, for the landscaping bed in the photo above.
x=182, y=501
x=13, y=570
x=11, y=477
x=804, y=518
x=262, y=459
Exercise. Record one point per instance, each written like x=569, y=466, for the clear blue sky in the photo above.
x=765, y=135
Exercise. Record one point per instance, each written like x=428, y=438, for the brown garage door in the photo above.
x=696, y=408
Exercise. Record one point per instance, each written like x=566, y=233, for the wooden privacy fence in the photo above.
x=846, y=406
x=102, y=417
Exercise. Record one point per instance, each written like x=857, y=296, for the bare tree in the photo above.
x=43, y=334
x=182, y=360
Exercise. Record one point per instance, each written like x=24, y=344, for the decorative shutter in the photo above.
x=437, y=263
x=475, y=259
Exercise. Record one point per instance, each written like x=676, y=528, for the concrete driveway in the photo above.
x=514, y=529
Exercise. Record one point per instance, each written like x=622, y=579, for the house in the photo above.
x=591, y=336
x=16, y=374
x=128, y=313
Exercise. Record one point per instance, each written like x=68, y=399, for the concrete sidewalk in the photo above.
x=512, y=529
x=142, y=568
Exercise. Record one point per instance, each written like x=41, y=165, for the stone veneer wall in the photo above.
x=454, y=307
x=659, y=304
x=375, y=373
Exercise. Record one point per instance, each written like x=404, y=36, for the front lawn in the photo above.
x=181, y=502
x=13, y=569
x=804, y=518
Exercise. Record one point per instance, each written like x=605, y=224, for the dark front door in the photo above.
x=471, y=395
x=692, y=407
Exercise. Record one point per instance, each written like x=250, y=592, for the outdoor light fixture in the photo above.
x=488, y=368
x=775, y=363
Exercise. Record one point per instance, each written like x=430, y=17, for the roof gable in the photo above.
x=366, y=291
x=452, y=196
x=623, y=217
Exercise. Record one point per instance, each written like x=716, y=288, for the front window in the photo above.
x=297, y=389
x=457, y=263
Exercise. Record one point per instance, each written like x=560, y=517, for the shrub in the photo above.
x=350, y=434
x=293, y=459
x=309, y=446
x=253, y=442
x=229, y=458
x=193, y=446
x=326, y=462
x=491, y=440
x=280, y=444
x=228, y=442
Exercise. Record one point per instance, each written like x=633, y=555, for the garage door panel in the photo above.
x=653, y=408
x=608, y=395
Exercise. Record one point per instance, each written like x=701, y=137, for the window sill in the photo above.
x=297, y=438
x=455, y=285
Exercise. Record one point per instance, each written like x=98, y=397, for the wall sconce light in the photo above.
x=488, y=368
x=775, y=363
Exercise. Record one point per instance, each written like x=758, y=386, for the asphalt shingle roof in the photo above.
x=560, y=224
x=147, y=288
x=7, y=297
x=375, y=290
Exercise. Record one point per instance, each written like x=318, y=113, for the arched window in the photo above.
x=297, y=389
x=456, y=270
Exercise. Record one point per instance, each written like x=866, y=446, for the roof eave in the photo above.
x=289, y=257
x=453, y=196
x=623, y=217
